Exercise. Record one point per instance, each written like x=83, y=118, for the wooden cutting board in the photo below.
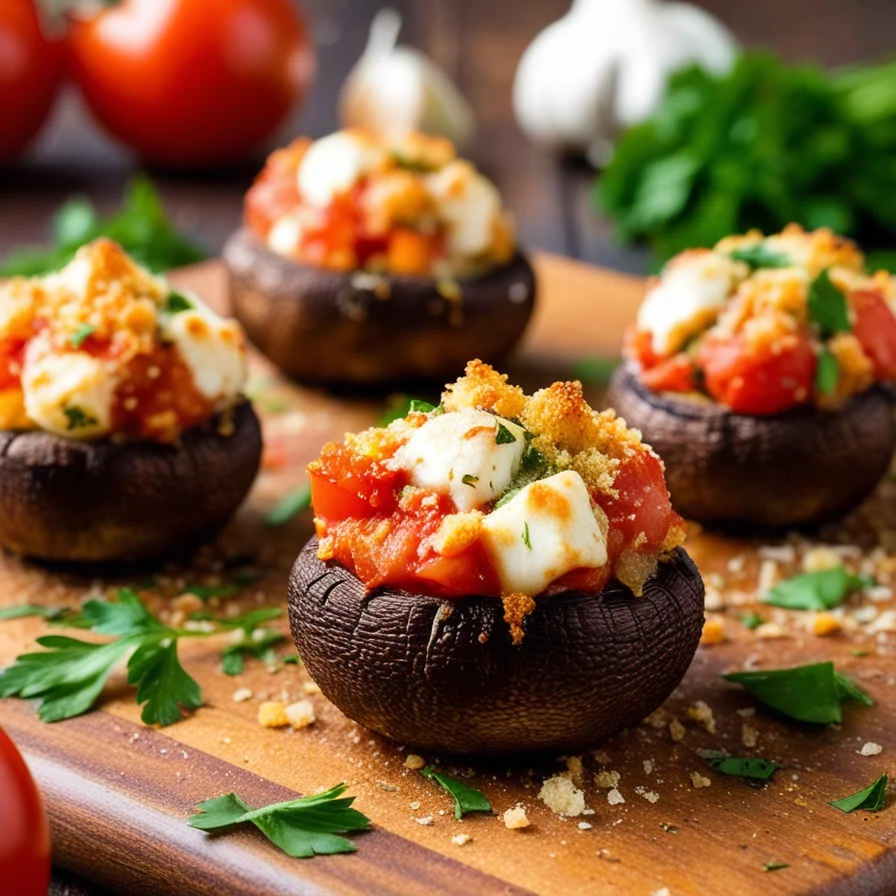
x=119, y=793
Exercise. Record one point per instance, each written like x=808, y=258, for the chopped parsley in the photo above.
x=827, y=372
x=775, y=866
x=527, y=540
x=177, y=302
x=504, y=436
x=466, y=798
x=749, y=767
x=760, y=256
x=827, y=306
x=68, y=676
x=289, y=505
x=78, y=418
x=811, y=693
x=469, y=479
x=302, y=828
x=821, y=590
x=80, y=335
x=872, y=799
x=400, y=405
x=752, y=621
x=595, y=369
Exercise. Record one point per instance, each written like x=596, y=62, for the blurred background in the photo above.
x=478, y=45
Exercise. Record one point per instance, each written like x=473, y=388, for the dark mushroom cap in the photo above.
x=800, y=467
x=85, y=501
x=443, y=675
x=335, y=328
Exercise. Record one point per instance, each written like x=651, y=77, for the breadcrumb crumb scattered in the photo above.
x=607, y=778
x=676, y=731
x=301, y=714
x=870, y=749
x=699, y=780
x=426, y=821
x=461, y=839
x=241, y=695
x=615, y=798
x=272, y=714
x=515, y=818
x=560, y=795
x=414, y=762
x=701, y=713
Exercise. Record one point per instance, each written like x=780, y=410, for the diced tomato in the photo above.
x=11, y=354
x=875, y=328
x=276, y=191
x=758, y=381
x=638, y=345
x=641, y=513
x=675, y=374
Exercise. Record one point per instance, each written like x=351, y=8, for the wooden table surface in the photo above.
x=478, y=43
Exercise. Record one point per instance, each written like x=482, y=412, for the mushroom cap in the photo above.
x=800, y=467
x=362, y=329
x=86, y=501
x=443, y=675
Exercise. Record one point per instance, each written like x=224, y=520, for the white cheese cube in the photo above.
x=69, y=394
x=333, y=165
x=547, y=529
x=692, y=291
x=211, y=346
x=469, y=204
x=458, y=454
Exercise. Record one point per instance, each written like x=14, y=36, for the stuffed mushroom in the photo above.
x=124, y=432
x=365, y=263
x=499, y=574
x=762, y=371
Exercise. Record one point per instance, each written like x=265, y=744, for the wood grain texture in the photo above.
x=694, y=841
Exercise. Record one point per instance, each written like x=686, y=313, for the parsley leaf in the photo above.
x=69, y=675
x=595, y=369
x=821, y=590
x=22, y=611
x=289, y=505
x=827, y=306
x=811, y=693
x=503, y=436
x=466, y=798
x=78, y=418
x=260, y=644
x=469, y=479
x=176, y=302
x=527, y=539
x=827, y=372
x=302, y=828
x=871, y=799
x=760, y=256
x=140, y=227
x=80, y=335
x=400, y=406
x=775, y=866
x=748, y=767
x=752, y=621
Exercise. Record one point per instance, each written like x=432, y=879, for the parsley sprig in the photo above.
x=812, y=693
x=466, y=798
x=824, y=589
x=302, y=828
x=68, y=676
x=872, y=799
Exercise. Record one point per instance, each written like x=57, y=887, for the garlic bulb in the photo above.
x=393, y=90
x=604, y=66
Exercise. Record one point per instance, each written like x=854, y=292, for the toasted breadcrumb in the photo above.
x=560, y=795
x=414, y=762
x=272, y=714
x=713, y=632
x=701, y=713
x=461, y=839
x=516, y=608
x=301, y=714
x=698, y=780
x=483, y=387
x=515, y=818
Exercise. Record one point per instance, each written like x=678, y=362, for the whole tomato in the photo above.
x=30, y=72
x=191, y=83
x=24, y=829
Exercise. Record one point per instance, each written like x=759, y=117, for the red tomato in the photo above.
x=191, y=83
x=675, y=374
x=758, y=381
x=30, y=72
x=875, y=328
x=638, y=345
x=24, y=829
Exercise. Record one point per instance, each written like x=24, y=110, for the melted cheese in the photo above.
x=547, y=529
x=212, y=347
x=69, y=394
x=334, y=164
x=458, y=454
x=692, y=291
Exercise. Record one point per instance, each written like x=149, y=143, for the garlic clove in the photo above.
x=394, y=90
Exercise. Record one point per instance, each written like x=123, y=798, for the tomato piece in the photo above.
x=675, y=374
x=275, y=192
x=640, y=514
x=638, y=345
x=875, y=328
x=11, y=355
x=24, y=829
x=758, y=380
x=30, y=74
x=332, y=502
x=191, y=83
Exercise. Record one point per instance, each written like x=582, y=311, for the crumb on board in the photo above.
x=606, y=778
x=701, y=713
x=414, y=762
x=241, y=695
x=277, y=714
x=676, y=731
x=515, y=818
x=698, y=780
x=561, y=796
x=870, y=749
x=615, y=798
x=461, y=839
x=301, y=714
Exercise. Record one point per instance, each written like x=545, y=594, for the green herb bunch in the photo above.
x=762, y=146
